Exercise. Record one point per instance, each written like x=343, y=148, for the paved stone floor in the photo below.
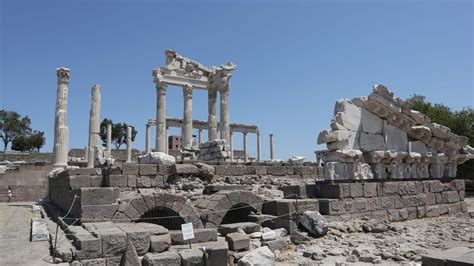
x=15, y=245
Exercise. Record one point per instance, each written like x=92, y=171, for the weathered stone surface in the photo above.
x=184, y=169
x=157, y=158
x=258, y=256
x=327, y=136
x=130, y=257
x=450, y=256
x=371, y=142
x=237, y=241
x=279, y=244
x=370, y=122
x=192, y=257
x=396, y=139
x=168, y=258
x=248, y=228
x=200, y=235
x=39, y=230
x=347, y=114
x=113, y=241
x=216, y=253
x=138, y=235
x=160, y=243
x=98, y=195
x=356, y=190
x=314, y=223
x=370, y=190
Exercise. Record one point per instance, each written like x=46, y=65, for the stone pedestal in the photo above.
x=61, y=130
x=187, y=140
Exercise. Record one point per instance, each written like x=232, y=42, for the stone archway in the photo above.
x=156, y=205
x=227, y=206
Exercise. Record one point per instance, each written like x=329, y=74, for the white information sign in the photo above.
x=188, y=231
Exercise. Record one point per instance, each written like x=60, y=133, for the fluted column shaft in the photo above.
x=147, y=139
x=258, y=147
x=160, y=118
x=109, y=137
x=225, y=122
x=94, y=126
x=212, y=99
x=187, y=116
x=245, y=147
x=61, y=130
x=129, y=144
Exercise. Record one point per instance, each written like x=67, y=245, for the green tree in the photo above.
x=37, y=140
x=460, y=123
x=21, y=143
x=119, y=133
x=12, y=125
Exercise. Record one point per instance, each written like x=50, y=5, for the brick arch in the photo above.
x=136, y=206
x=218, y=204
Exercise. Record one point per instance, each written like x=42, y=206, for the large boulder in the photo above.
x=314, y=223
x=157, y=158
x=262, y=256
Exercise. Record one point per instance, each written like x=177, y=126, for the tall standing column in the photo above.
x=212, y=98
x=61, y=130
x=167, y=140
x=160, y=117
x=129, y=144
x=271, y=147
x=147, y=139
x=200, y=136
x=258, y=147
x=94, y=126
x=188, y=116
x=245, y=147
x=231, y=144
x=225, y=123
x=109, y=136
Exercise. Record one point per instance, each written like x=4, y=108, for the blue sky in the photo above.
x=294, y=59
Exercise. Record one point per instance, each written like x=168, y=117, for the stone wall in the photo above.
x=27, y=182
x=393, y=201
x=26, y=156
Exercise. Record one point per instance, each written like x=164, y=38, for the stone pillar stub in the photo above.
x=225, y=122
x=147, y=139
x=212, y=99
x=129, y=144
x=61, y=130
x=187, y=116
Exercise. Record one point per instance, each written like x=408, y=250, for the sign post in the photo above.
x=188, y=232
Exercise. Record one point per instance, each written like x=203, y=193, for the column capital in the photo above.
x=161, y=88
x=63, y=74
x=188, y=91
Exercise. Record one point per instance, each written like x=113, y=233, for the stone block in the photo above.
x=390, y=188
x=248, y=228
x=157, y=181
x=452, y=196
x=387, y=202
x=331, y=207
x=97, y=181
x=347, y=115
x=164, y=170
x=113, y=241
x=217, y=253
x=94, y=262
x=148, y=169
x=130, y=169
x=260, y=170
x=336, y=171
x=192, y=257
x=443, y=209
x=371, y=142
x=454, y=208
x=407, y=188
x=373, y=203
x=370, y=122
x=201, y=235
x=360, y=205
x=116, y=180
x=132, y=181
x=229, y=170
x=277, y=244
x=138, y=235
x=380, y=215
x=160, y=243
x=349, y=206
x=84, y=171
x=445, y=257
x=458, y=184
x=143, y=181
x=294, y=191
x=335, y=191
x=184, y=169
x=168, y=258
x=98, y=195
x=439, y=198
x=396, y=139
x=277, y=170
x=393, y=215
x=432, y=211
x=356, y=190
x=114, y=261
x=412, y=213
x=435, y=186
x=370, y=190
x=87, y=245
x=97, y=213
x=237, y=241
x=403, y=214
x=397, y=202
x=462, y=195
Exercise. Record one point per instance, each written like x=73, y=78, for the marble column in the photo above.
x=200, y=136
x=109, y=136
x=187, y=130
x=225, y=123
x=167, y=140
x=231, y=144
x=94, y=126
x=258, y=147
x=212, y=98
x=129, y=144
x=271, y=147
x=86, y=153
x=61, y=130
x=147, y=139
x=245, y=147
x=160, y=145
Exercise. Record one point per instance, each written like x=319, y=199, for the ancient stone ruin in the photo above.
x=383, y=161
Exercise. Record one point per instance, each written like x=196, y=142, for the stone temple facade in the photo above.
x=380, y=137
